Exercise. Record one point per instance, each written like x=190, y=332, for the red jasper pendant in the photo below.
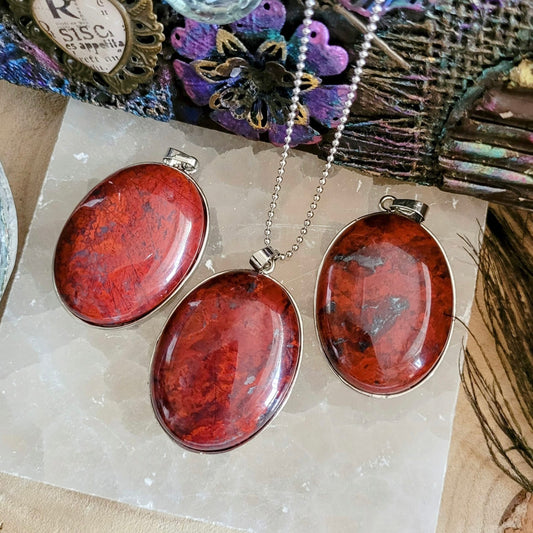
x=385, y=301
x=226, y=361
x=131, y=242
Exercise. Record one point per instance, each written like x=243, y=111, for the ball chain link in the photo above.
x=293, y=110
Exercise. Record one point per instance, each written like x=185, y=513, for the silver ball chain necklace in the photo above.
x=228, y=356
x=350, y=97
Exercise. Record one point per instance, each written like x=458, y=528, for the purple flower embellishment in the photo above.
x=244, y=73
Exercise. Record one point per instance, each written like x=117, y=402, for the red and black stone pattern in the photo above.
x=226, y=361
x=384, y=304
x=129, y=244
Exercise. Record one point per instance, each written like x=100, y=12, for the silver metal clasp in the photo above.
x=181, y=161
x=413, y=209
x=264, y=260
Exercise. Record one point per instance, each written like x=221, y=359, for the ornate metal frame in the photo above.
x=144, y=37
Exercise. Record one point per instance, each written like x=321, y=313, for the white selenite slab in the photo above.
x=74, y=402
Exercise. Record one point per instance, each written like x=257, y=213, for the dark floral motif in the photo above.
x=244, y=72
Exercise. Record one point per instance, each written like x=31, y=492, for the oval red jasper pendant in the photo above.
x=130, y=244
x=225, y=361
x=384, y=304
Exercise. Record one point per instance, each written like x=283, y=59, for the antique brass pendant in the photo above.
x=112, y=44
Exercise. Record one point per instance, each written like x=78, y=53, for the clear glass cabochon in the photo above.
x=8, y=232
x=214, y=11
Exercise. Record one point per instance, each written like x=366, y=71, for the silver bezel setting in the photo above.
x=141, y=319
x=289, y=389
x=315, y=310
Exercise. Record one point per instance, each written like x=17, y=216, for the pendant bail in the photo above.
x=264, y=260
x=181, y=161
x=413, y=209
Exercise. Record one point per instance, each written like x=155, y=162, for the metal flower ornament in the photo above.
x=244, y=73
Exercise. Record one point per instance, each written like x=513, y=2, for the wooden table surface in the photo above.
x=476, y=493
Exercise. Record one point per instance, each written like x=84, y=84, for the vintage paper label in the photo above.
x=91, y=31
